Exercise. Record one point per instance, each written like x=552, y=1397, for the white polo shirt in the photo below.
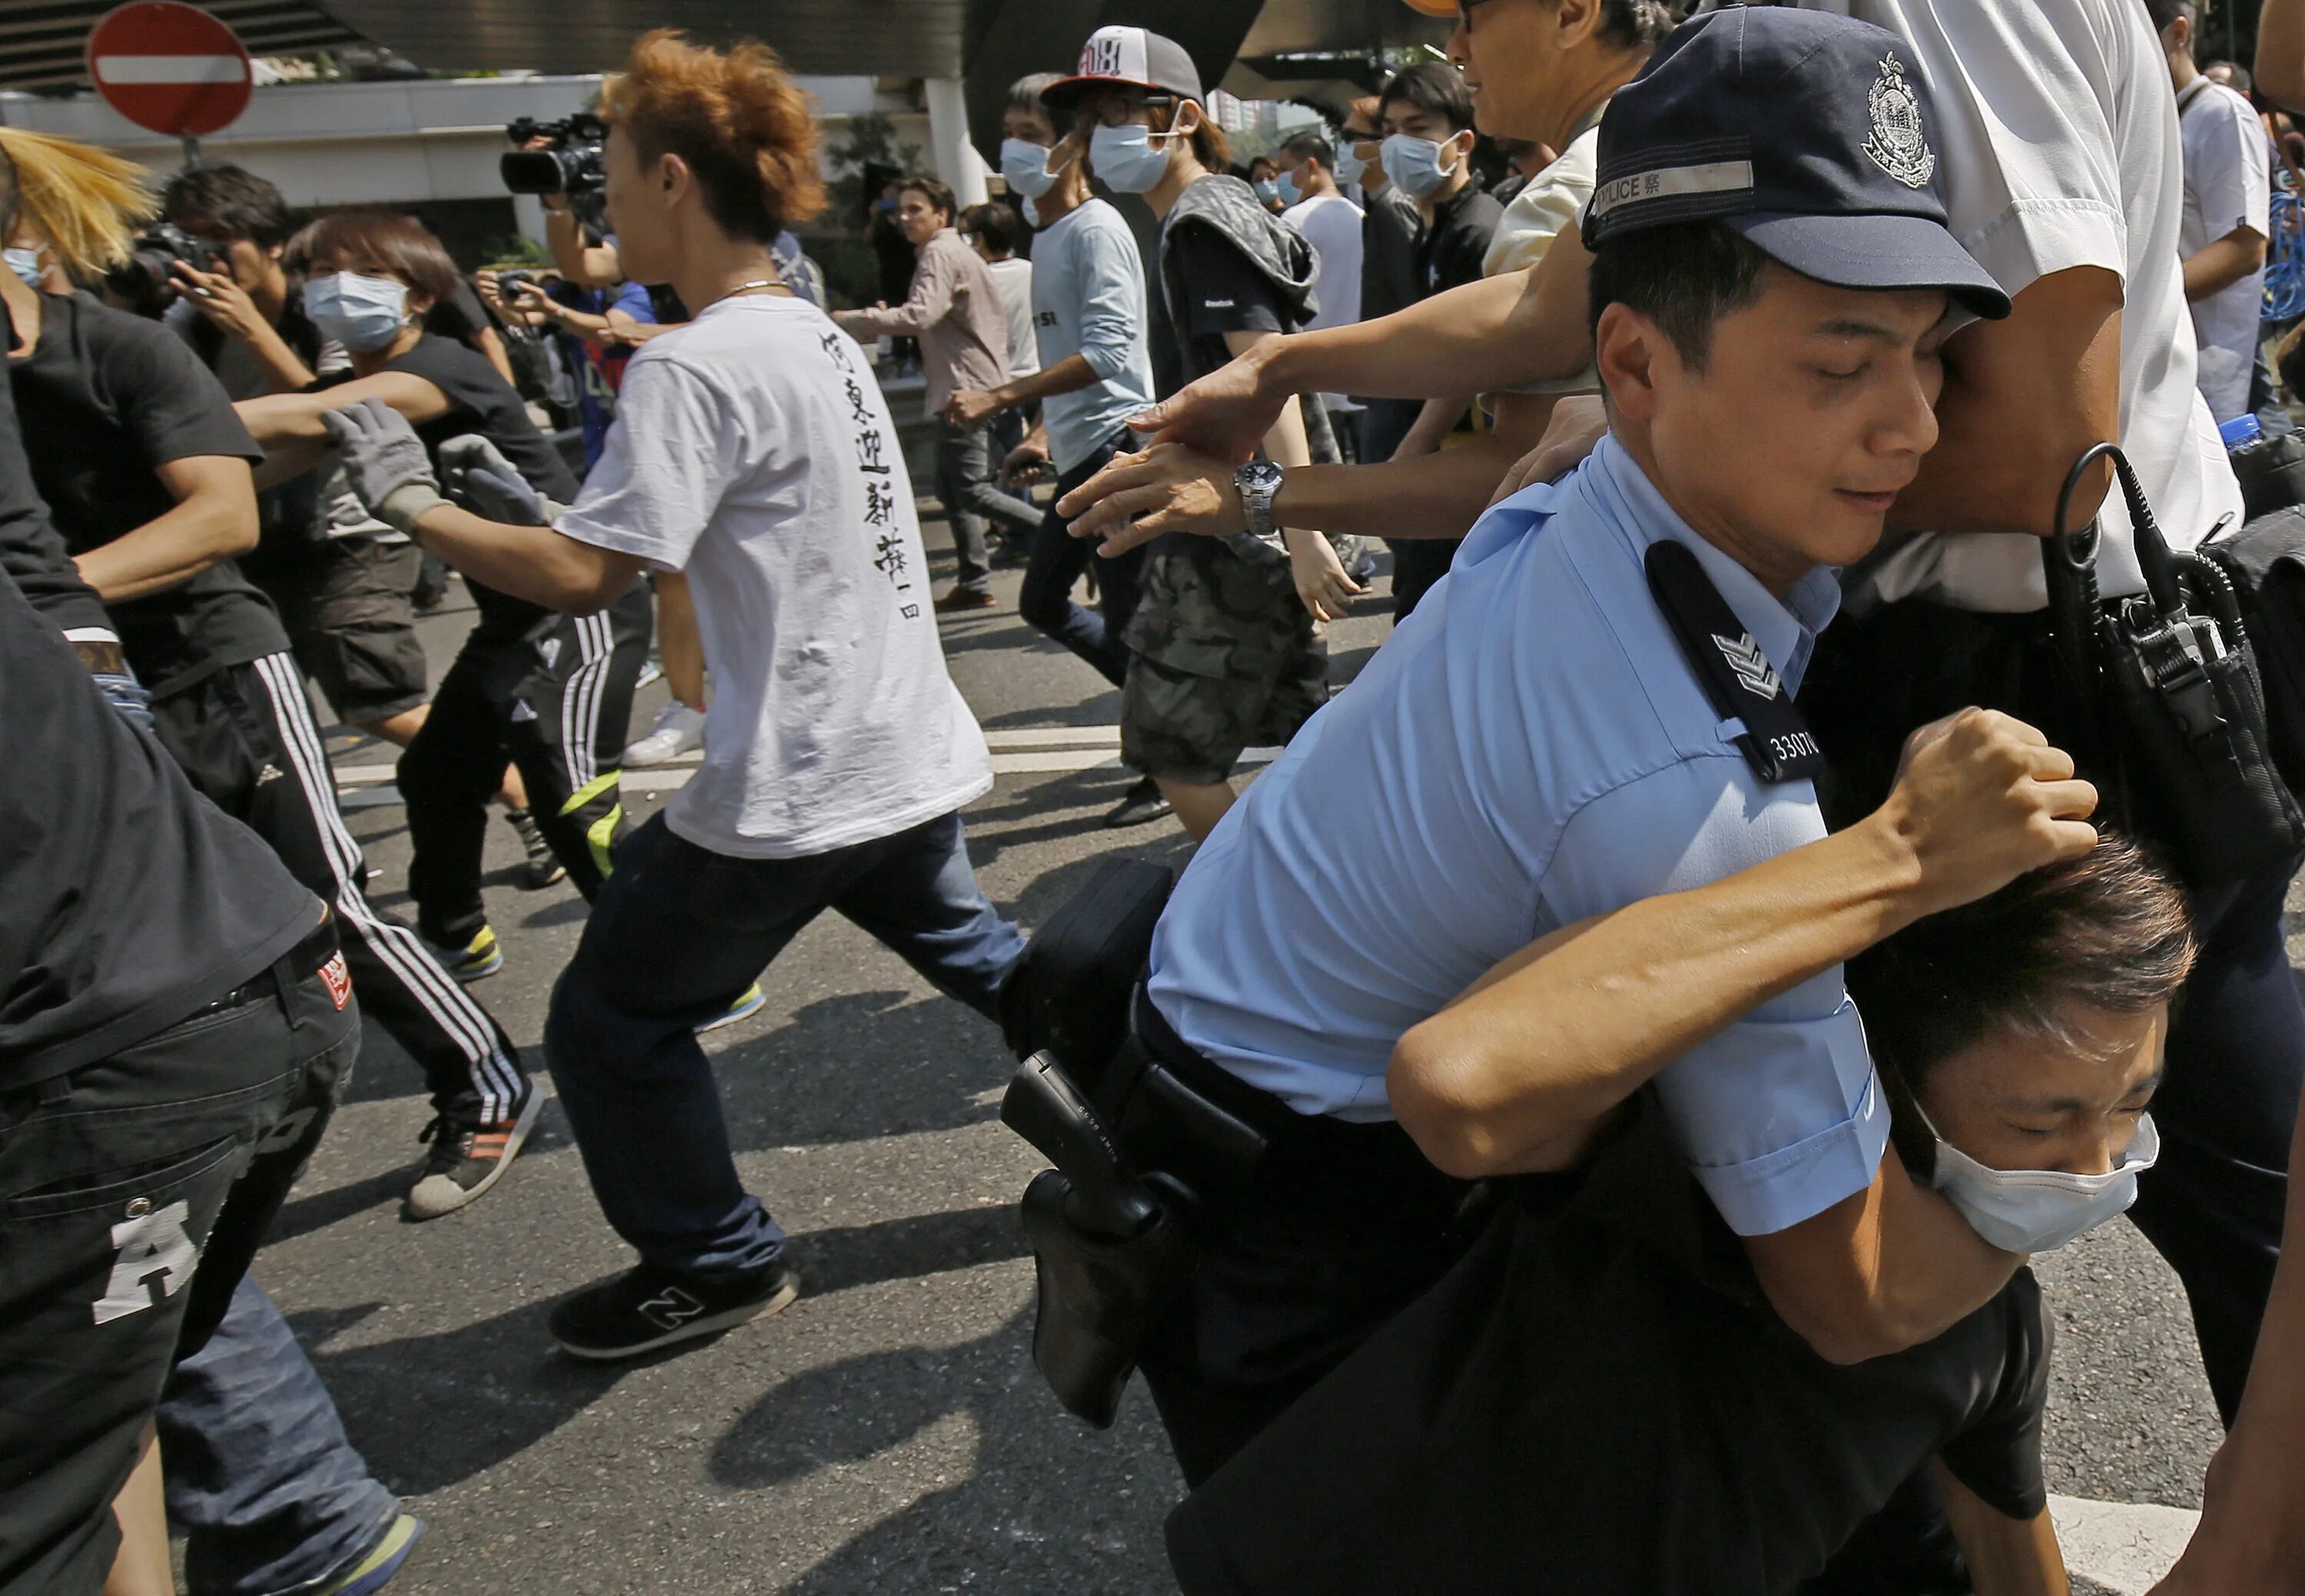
x=2227, y=186
x=2105, y=190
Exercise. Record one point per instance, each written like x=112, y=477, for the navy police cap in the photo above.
x=1808, y=133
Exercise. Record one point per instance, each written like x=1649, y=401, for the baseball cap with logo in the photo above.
x=1807, y=133
x=1127, y=58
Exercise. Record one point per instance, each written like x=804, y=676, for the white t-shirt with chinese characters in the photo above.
x=2058, y=137
x=2227, y=186
x=752, y=450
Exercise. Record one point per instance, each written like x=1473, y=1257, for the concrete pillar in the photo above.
x=528, y=216
x=956, y=158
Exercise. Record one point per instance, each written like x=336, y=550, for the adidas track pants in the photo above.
x=557, y=701
x=246, y=739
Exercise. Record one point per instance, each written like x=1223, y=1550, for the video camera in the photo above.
x=574, y=163
x=146, y=279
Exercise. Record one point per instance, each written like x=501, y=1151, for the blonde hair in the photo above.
x=86, y=204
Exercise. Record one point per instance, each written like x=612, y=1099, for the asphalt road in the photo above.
x=888, y=1432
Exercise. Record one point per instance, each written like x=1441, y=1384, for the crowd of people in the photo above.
x=1581, y=1117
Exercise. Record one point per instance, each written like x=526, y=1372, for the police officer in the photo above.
x=1593, y=709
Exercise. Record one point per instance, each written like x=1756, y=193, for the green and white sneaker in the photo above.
x=475, y=961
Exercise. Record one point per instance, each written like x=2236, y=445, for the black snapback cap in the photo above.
x=1807, y=133
x=1123, y=57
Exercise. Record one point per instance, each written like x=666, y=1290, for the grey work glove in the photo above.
x=483, y=482
x=386, y=462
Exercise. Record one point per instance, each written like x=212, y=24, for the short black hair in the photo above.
x=1310, y=147
x=994, y=224
x=236, y=201
x=2165, y=11
x=2241, y=83
x=1266, y=161
x=1635, y=24
x=1683, y=276
x=1432, y=86
x=2106, y=932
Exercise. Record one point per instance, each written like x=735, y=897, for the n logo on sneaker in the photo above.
x=150, y=1243
x=669, y=1308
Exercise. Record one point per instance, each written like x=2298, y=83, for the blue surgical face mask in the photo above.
x=1127, y=158
x=362, y=313
x=1351, y=168
x=1031, y=214
x=1025, y=166
x=2039, y=1210
x=1290, y=194
x=1267, y=190
x=26, y=265
x=1415, y=165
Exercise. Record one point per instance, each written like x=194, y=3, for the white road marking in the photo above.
x=1035, y=750
x=2126, y=1547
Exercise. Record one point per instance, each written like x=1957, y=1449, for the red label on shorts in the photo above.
x=338, y=978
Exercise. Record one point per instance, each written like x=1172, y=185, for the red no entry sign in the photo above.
x=171, y=68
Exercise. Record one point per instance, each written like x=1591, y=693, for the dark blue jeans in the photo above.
x=1058, y=557
x=260, y=1476
x=678, y=934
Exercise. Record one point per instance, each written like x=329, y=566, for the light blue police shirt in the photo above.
x=1528, y=749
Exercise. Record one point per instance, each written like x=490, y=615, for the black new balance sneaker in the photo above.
x=648, y=1308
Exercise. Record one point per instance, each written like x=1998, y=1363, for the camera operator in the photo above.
x=754, y=449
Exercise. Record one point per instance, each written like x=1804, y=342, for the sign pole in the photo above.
x=192, y=152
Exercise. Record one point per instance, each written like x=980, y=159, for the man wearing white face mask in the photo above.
x=1093, y=373
x=1696, y=1447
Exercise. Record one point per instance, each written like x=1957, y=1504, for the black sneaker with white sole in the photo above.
x=648, y=1308
x=1140, y=805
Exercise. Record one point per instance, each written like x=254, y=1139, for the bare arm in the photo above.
x=593, y=266
x=2281, y=53
x=1171, y=488
x=295, y=439
x=2252, y=1536
x=491, y=346
x=2219, y=265
x=1433, y=424
x=2006, y=1557
x=1517, y=1073
x=1321, y=581
x=529, y=562
x=215, y=519
x=2023, y=398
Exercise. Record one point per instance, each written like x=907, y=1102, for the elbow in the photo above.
x=1432, y=1094
x=1848, y=1331
x=234, y=529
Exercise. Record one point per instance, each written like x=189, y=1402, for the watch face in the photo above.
x=1260, y=474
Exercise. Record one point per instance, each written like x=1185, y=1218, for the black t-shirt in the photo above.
x=125, y=901
x=105, y=398
x=1228, y=295
x=1605, y=1396
x=481, y=401
x=1450, y=253
x=1390, y=278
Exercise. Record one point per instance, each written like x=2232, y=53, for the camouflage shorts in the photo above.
x=1224, y=657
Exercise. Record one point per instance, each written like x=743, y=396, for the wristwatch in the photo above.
x=1256, y=484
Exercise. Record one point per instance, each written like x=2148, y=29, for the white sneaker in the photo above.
x=678, y=729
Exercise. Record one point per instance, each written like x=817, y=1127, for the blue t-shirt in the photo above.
x=1088, y=299
x=600, y=372
x=1530, y=748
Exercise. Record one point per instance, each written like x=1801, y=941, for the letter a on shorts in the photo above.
x=149, y=1244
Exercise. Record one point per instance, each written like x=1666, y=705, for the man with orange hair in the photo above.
x=752, y=450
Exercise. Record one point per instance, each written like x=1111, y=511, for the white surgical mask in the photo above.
x=362, y=313
x=1413, y=164
x=1031, y=214
x=2039, y=1210
x=1267, y=190
x=1290, y=194
x=1127, y=158
x=26, y=265
x=1025, y=166
x=1351, y=168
